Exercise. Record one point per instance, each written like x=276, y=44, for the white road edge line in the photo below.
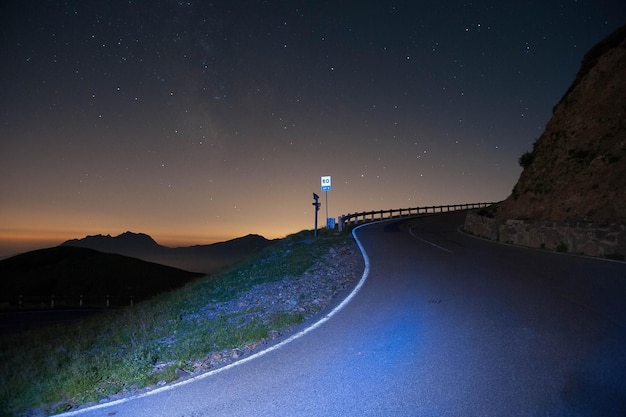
x=427, y=241
x=251, y=357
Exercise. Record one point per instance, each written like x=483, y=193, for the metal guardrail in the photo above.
x=42, y=302
x=365, y=216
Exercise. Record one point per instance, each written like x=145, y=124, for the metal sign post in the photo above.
x=326, y=207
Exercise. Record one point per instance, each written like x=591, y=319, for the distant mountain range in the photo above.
x=199, y=258
x=131, y=264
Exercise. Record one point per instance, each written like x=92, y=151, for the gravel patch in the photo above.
x=310, y=295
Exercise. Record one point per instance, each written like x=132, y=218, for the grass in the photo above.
x=58, y=368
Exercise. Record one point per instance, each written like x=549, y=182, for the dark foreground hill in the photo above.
x=69, y=272
x=201, y=258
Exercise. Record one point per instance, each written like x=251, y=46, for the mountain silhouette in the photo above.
x=125, y=242
x=66, y=271
x=207, y=259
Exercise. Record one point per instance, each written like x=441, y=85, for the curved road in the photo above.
x=445, y=325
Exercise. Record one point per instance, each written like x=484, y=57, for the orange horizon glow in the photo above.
x=272, y=216
x=15, y=240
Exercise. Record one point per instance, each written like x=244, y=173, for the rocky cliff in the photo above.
x=575, y=174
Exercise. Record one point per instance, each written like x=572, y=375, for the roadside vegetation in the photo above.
x=57, y=368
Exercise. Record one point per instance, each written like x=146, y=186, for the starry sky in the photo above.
x=198, y=121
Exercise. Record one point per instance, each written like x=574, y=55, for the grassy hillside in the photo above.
x=56, y=369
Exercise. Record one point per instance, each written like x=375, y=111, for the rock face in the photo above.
x=575, y=176
x=577, y=168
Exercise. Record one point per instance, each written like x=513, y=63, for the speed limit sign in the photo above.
x=326, y=183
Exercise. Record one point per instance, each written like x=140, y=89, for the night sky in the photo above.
x=198, y=121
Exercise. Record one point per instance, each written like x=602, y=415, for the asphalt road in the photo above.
x=445, y=324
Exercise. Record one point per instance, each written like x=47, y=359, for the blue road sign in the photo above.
x=326, y=185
